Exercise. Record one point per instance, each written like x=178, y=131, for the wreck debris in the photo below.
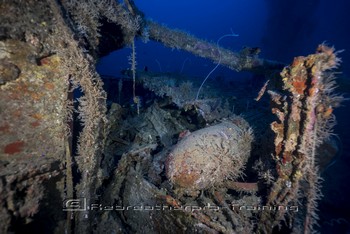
x=209, y=156
x=140, y=179
x=236, y=61
x=138, y=183
x=180, y=92
x=304, y=110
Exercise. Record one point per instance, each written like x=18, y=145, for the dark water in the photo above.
x=283, y=30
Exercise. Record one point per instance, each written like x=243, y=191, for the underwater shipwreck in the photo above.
x=154, y=152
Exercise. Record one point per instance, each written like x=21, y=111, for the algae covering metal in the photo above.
x=33, y=128
x=33, y=122
x=32, y=104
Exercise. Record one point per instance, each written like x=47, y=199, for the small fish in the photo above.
x=262, y=91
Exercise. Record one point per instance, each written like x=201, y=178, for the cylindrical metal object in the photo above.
x=210, y=155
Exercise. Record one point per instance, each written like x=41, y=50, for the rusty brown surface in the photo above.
x=33, y=93
x=304, y=110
